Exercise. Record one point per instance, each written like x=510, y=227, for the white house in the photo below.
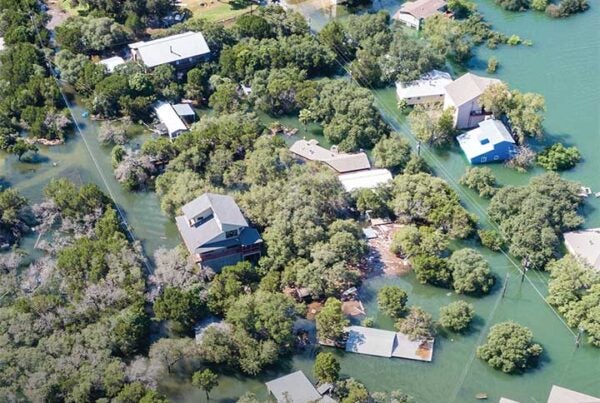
x=171, y=120
x=585, y=245
x=413, y=13
x=181, y=51
x=490, y=142
x=463, y=95
x=563, y=395
x=429, y=88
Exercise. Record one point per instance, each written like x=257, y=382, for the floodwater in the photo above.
x=564, y=66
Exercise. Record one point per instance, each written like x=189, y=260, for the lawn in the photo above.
x=216, y=10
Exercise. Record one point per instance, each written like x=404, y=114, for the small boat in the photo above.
x=584, y=191
x=597, y=194
x=481, y=396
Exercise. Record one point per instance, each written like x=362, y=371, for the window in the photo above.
x=231, y=234
x=483, y=159
x=484, y=141
x=496, y=157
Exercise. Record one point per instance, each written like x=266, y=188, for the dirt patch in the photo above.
x=313, y=309
x=379, y=258
x=353, y=308
x=56, y=13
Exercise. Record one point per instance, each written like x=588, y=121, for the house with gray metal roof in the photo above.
x=296, y=388
x=585, y=245
x=216, y=233
x=387, y=343
x=181, y=51
x=463, y=95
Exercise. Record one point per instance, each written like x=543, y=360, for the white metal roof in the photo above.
x=429, y=84
x=387, y=343
x=167, y=115
x=468, y=87
x=341, y=162
x=171, y=48
x=586, y=245
x=293, y=388
x=563, y=395
x=482, y=139
x=112, y=63
x=184, y=109
x=420, y=349
x=368, y=179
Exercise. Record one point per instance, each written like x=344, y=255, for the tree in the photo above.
x=470, y=272
x=254, y=26
x=557, y=157
x=326, y=368
x=13, y=216
x=205, y=380
x=539, y=5
x=392, y=301
x=353, y=391
x=522, y=160
x=21, y=147
x=432, y=125
x=432, y=270
x=513, y=5
x=392, y=152
x=411, y=241
x=566, y=8
x=456, y=316
x=532, y=217
x=509, y=348
x=482, y=180
x=490, y=239
x=167, y=352
x=331, y=321
x=418, y=324
x=226, y=98
x=183, y=308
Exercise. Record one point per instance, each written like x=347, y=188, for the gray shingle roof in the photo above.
x=293, y=388
x=223, y=207
x=171, y=48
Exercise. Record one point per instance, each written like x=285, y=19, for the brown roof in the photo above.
x=340, y=162
x=422, y=8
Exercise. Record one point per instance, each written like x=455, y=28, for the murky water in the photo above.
x=564, y=66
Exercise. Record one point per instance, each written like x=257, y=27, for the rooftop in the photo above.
x=169, y=117
x=223, y=207
x=367, y=179
x=468, y=87
x=387, y=343
x=293, y=388
x=112, y=63
x=184, y=109
x=586, y=245
x=429, y=84
x=563, y=395
x=422, y=8
x=340, y=162
x=171, y=48
x=482, y=139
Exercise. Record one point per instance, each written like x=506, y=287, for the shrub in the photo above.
x=514, y=40
x=492, y=65
x=456, y=316
x=557, y=157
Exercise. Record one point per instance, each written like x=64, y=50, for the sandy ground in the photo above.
x=353, y=308
x=380, y=259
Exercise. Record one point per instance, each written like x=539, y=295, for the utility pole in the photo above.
x=578, y=337
x=505, y=285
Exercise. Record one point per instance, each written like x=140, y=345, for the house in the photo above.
x=490, y=142
x=181, y=51
x=427, y=89
x=170, y=120
x=413, y=13
x=585, y=245
x=463, y=95
x=563, y=395
x=216, y=233
x=367, y=179
x=112, y=63
x=387, y=343
x=296, y=388
x=340, y=162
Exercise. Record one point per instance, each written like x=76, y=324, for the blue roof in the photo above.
x=484, y=138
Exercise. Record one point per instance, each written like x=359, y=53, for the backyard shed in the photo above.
x=112, y=63
x=170, y=119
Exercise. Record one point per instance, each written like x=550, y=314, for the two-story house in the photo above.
x=463, y=95
x=216, y=233
x=182, y=51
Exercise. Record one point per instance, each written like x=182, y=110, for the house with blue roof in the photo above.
x=489, y=142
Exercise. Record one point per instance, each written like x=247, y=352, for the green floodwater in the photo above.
x=564, y=66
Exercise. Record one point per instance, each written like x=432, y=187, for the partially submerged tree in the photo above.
x=481, y=180
x=392, y=301
x=509, y=347
x=456, y=316
x=470, y=272
x=417, y=324
x=326, y=368
x=557, y=157
x=331, y=320
x=206, y=380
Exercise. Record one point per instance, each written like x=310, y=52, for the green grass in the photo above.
x=216, y=10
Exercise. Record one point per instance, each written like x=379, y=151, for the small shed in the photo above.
x=369, y=233
x=490, y=142
x=170, y=119
x=112, y=63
